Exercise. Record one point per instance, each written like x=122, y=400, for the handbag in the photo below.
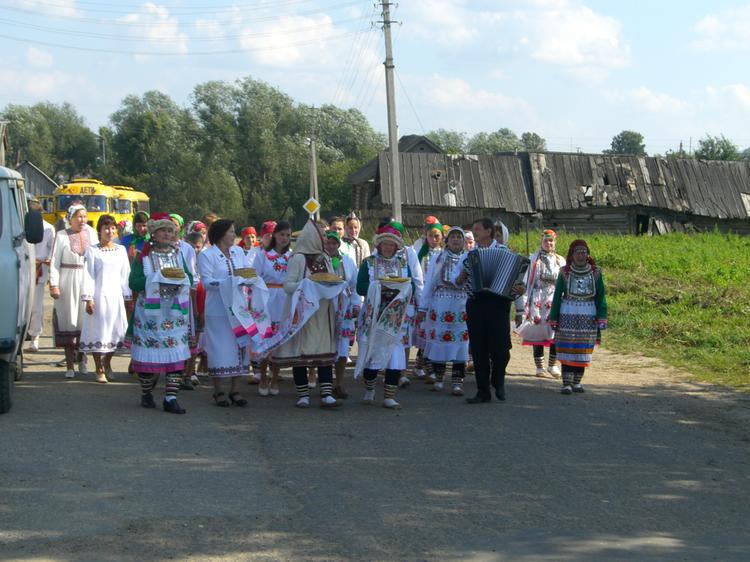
x=531, y=332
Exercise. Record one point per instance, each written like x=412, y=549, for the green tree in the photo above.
x=628, y=143
x=717, y=148
x=450, y=142
x=261, y=137
x=155, y=147
x=54, y=137
x=502, y=140
x=533, y=142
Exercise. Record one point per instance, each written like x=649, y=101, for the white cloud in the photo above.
x=447, y=22
x=295, y=40
x=735, y=94
x=34, y=84
x=158, y=29
x=657, y=102
x=573, y=36
x=727, y=30
x=563, y=33
x=455, y=92
x=38, y=58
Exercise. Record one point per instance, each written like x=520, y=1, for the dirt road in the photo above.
x=641, y=467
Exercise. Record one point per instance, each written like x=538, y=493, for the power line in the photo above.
x=167, y=53
x=120, y=22
x=408, y=99
x=88, y=34
x=270, y=4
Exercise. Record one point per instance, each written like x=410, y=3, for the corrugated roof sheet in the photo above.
x=438, y=180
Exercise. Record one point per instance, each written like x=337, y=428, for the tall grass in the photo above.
x=683, y=298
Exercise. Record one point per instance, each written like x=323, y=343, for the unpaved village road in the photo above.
x=641, y=467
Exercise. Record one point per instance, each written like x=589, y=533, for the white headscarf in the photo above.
x=73, y=209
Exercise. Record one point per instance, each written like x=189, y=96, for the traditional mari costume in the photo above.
x=235, y=318
x=161, y=324
x=271, y=266
x=579, y=312
x=106, y=283
x=347, y=303
x=444, y=308
x=43, y=252
x=536, y=304
x=308, y=336
x=382, y=322
x=66, y=273
x=425, y=255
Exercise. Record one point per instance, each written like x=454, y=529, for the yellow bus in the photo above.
x=130, y=202
x=99, y=199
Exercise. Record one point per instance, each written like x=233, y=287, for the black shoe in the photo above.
x=237, y=399
x=147, y=401
x=479, y=399
x=500, y=393
x=173, y=407
x=186, y=385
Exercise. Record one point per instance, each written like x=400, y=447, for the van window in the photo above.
x=14, y=212
x=2, y=196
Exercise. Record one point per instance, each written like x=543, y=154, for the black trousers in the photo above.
x=488, y=321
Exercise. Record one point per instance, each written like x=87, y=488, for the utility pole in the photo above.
x=314, y=174
x=391, y=104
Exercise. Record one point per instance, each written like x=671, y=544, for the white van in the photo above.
x=19, y=231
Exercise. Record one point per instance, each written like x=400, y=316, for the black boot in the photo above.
x=173, y=407
x=147, y=401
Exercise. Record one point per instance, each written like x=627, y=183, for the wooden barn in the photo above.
x=457, y=188
x=38, y=183
x=639, y=195
x=577, y=192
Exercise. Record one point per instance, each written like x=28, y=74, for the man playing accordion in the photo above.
x=488, y=322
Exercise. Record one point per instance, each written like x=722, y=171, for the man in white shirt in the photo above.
x=43, y=254
x=488, y=322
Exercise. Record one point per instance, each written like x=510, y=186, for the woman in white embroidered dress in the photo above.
x=271, y=266
x=66, y=282
x=228, y=359
x=443, y=312
x=535, y=304
x=161, y=327
x=105, y=285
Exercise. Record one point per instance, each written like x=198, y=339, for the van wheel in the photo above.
x=6, y=386
x=18, y=368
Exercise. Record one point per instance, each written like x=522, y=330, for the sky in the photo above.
x=577, y=72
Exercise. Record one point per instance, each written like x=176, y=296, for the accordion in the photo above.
x=495, y=270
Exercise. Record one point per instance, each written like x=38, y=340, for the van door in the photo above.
x=26, y=260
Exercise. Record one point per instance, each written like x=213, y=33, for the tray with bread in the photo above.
x=325, y=278
x=173, y=272
x=245, y=272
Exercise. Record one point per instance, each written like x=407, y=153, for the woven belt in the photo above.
x=70, y=266
x=274, y=285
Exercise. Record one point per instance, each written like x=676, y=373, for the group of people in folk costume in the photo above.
x=174, y=295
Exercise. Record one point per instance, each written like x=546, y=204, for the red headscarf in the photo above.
x=267, y=228
x=247, y=232
x=572, y=249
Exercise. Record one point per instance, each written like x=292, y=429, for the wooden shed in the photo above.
x=458, y=188
x=38, y=183
x=638, y=195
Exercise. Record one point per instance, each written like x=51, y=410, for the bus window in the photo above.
x=48, y=204
x=124, y=207
x=143, y=206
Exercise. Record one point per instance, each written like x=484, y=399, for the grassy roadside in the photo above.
x=682, y=298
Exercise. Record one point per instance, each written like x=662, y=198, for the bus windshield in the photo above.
x=93, y=203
